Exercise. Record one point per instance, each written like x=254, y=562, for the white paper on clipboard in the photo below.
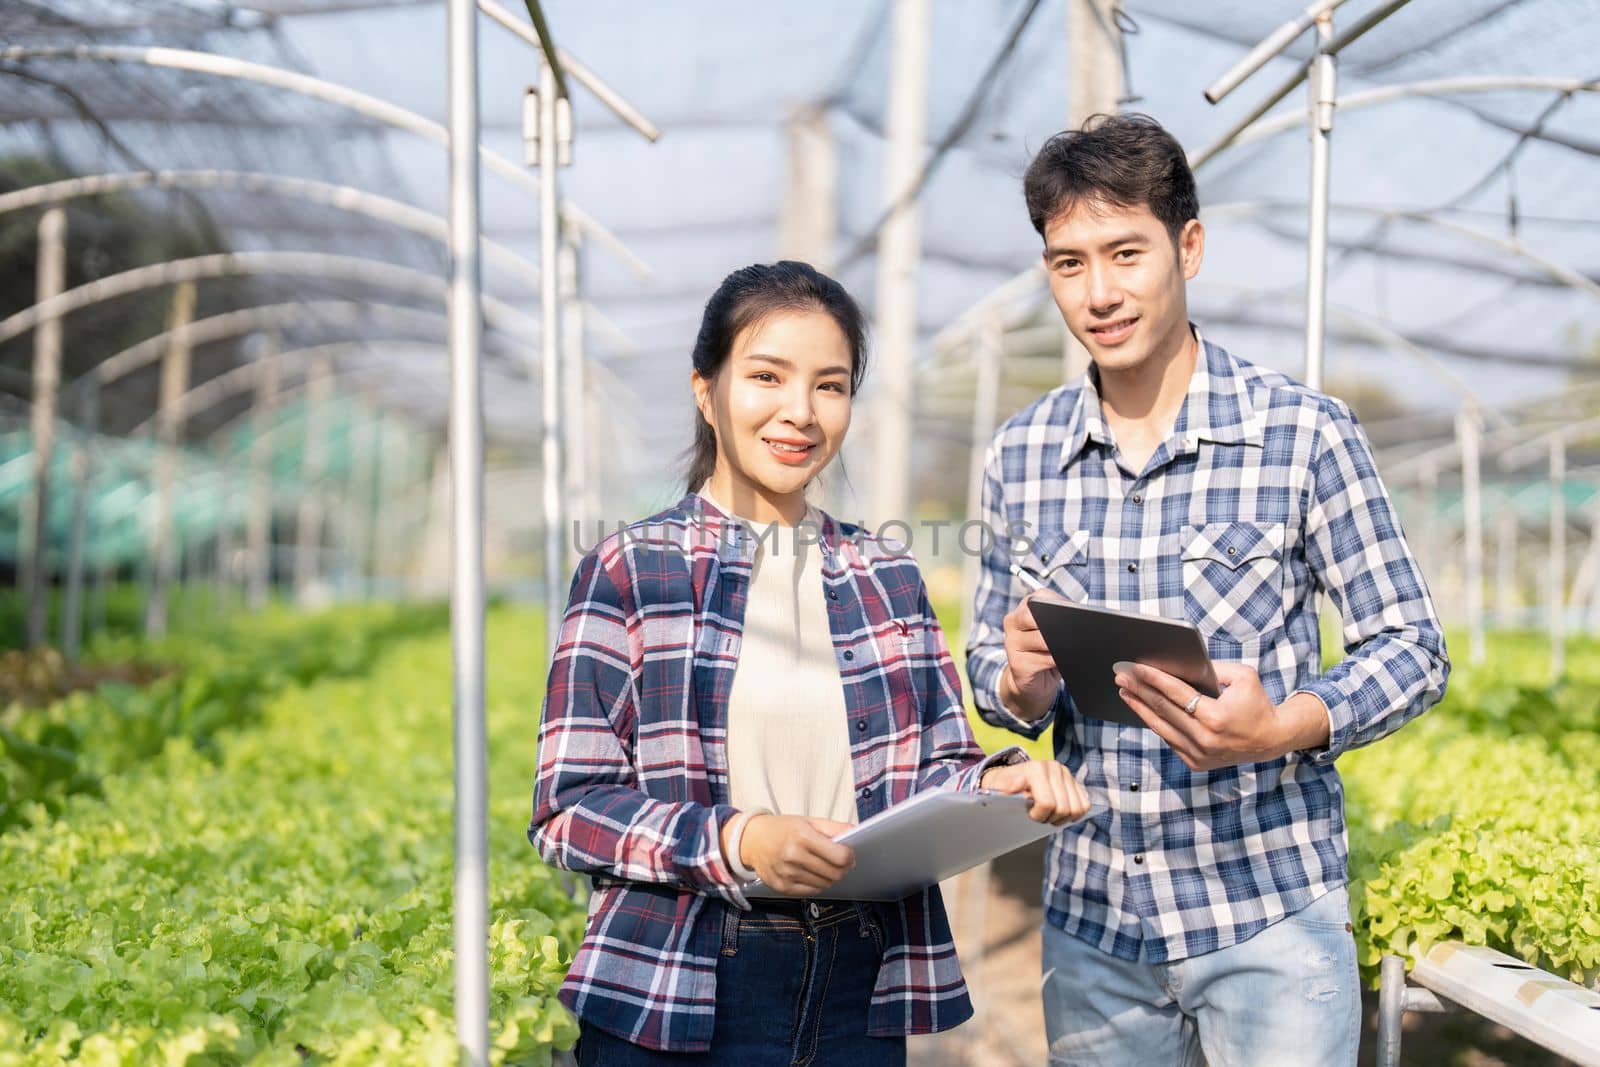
x=933, y=836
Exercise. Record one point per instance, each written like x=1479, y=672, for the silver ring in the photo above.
x=1194, y=702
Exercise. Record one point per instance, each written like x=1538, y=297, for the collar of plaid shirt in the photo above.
x=1217, y=408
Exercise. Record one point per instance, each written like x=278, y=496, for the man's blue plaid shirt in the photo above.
x=1264, y=495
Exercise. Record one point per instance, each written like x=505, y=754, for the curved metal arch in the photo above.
x=1524, y=452
x=1295, y=119
x=1559, y=271
x=341, y=197
x=242, y=378
x=290, y=391
x=260, y=317
x=387, y=403
x=226, y=264
x=281, y=316
x=316, y=88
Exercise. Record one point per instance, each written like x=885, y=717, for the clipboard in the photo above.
x=1085, y=641
x=933, y=836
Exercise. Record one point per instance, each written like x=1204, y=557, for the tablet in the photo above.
x=935, y=835
x=1085, y=641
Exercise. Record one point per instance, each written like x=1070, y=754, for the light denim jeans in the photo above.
x=1288, y=997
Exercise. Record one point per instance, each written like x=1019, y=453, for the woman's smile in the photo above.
x=791, y=452
x=780, y=407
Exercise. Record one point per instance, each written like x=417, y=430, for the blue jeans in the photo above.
x=794, y=982
x=1290, y=994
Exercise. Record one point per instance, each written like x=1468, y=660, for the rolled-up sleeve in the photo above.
x=589, y=814
x=1395, y=664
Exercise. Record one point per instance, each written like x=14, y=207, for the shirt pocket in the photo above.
x=1061, y=559
x=1233, y=580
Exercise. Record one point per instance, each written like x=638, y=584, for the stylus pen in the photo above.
x=1029, y=579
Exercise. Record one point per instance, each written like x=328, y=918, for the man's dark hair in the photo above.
x=1126, y=160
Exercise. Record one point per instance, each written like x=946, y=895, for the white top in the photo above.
x=788, y=736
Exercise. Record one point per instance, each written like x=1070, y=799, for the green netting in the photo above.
x=212, y=487
x=1529, y=499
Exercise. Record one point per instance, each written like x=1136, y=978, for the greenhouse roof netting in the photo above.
x=1463, y=227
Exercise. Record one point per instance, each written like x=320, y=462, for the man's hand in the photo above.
x=1058, y=798
x=1030, y=681
x=795, y=855
x=1242, y=725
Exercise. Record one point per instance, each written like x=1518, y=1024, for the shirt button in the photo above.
x=1133, y=568
x=1139, y=858
x=1134, y=788
x=1138, y=498
x=1045, y=558
x=861, y=725
x=866, y=793
x=849, y=655
x=833, y=594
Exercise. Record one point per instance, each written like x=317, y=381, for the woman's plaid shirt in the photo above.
x=1264, y=495
x=633, y=776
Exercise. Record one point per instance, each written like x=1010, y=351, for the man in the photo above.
x=1203, y=916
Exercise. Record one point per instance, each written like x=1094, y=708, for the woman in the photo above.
x=738, y=679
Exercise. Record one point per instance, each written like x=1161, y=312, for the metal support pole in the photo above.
x=163, y=559
x=1468, y=431
x=598, y=443
x=77, y=540
x=189, y=584
x=1095, y=42
x=366, y=439
x=1592, y=621
x=103, y=575
x=390, y=498
x=414, y=462
x=988, y=345
x=1558, y=557
x=51, y=280
x=1391, y=1007
x=555, y=558
x=1428, y=501
x=467, y=623
x=1586, y=581
x=261, y=450
x=343, y=556
x=313, y=462
x=570, y=65
x=574, y=421
x=810, y=221
x=809, y=225
x=899, y=252
x=222, y=573
x=1505, y=583
x=1323, y=87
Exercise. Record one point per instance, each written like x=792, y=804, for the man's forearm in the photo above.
x=1306, y=721
x=1020, y=704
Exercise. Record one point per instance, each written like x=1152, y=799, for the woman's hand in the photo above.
x=1058, y=798
x=795, y=855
